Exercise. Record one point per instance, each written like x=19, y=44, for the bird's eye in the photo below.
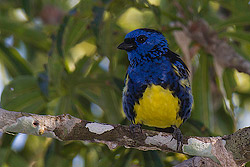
x=141, y=38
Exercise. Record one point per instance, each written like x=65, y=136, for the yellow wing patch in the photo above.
x=158, y=108
x=176, y=70
x=184, y=83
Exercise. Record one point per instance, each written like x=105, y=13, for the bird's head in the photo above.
x=143, y=44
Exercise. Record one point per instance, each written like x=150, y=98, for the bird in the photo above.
x=157, y=91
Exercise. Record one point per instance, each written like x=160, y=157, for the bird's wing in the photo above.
x=128, y=99
x=178, y=64
x=132, y=92
x=182, y=72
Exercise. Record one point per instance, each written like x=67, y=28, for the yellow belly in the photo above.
x=158, y=108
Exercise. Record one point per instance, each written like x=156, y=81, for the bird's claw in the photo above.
x=135, y=128
x=178, y=136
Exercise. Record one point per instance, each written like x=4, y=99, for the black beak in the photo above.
x=127, y=46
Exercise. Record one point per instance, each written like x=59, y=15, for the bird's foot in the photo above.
x=136, y=131
x=135, y=128
x=178, y=136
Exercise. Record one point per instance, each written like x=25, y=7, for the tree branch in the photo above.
x=198, y=162
x=230, y=150
x=224, y=54
x=200, y=31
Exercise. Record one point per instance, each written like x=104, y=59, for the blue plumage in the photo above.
x=153, y=63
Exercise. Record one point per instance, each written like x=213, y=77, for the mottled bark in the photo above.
x=228, y=150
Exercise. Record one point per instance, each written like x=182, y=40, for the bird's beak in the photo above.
x=126, y=46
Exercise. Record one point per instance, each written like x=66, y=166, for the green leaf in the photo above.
x=4, y=152
x=242, y=50
x=43, y=81
x=76, y=30
x=26, y=6
x=23, y=94
x=91, y=158
x=56, y=72
x=90, y=95
x=111, y=157
x=194, y=127
x=236, y=20
x=152, y=159
x=224, y=122
x=110, y=102
x=7, y=140
x=238, y=35
x=71, y=149
x=125, y=159
x=64, y=105
x=33, y=150
x=23, y=32
x=83, y=107
x=236, y=7
x=89, y=82
x=60, y=34
x=84, y=66
x=15, y=160
x=98, y=17
x=229, y=85
x=54, y=158
x=201, y=91
x=13, y=62
x=60, y=43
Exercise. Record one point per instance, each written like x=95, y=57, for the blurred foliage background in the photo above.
x=60, y=56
